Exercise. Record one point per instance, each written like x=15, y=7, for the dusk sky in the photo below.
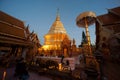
x=40, y=14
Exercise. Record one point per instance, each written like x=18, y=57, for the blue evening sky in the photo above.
x=40, y=14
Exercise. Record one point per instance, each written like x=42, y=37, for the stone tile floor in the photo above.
x=111, y=70
x=10, y=75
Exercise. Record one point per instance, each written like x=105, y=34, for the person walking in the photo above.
x=83, y=75
x=21, y=70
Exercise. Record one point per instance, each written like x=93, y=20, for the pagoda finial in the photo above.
x=57, y=11
x=58, y=16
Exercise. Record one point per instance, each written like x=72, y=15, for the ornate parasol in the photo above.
x=84, y=20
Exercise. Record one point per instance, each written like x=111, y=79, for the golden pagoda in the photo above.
x=53, y=40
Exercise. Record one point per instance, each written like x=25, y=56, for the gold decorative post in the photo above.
x=4, y=75
x=88, y=37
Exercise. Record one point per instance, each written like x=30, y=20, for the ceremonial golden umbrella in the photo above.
x=84, y=20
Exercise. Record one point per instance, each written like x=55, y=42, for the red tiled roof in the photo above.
x=112, y=17
x=107, y=19
x=12, y=31
x=14, y=41
x=115, y=11
x=11, y=20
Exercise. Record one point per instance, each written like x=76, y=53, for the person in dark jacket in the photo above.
x=21, y=70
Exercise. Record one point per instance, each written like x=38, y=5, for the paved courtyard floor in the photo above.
x=111, y=70
x=10, y=75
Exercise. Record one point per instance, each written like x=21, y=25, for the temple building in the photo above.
x=15, y=38
x=56, y=41
x=108, y=33
x=13, y=35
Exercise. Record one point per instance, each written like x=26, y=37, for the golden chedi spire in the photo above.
x=57, y=26
x=53, y=39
